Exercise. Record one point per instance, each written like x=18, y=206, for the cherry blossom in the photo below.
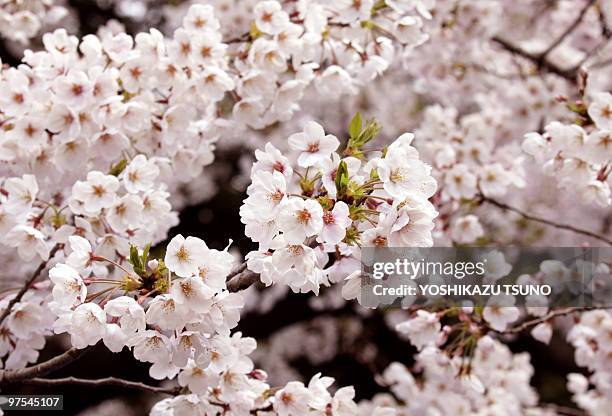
x=313, y=144
x=183, y=255
x=489, y=125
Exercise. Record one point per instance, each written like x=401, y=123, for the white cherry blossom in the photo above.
x=313, y=144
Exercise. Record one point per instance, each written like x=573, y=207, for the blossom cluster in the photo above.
x=470, y=161
x=98, y=132
x=580, y=158
x=22, y=20
x=103, y=139
x=458, y=330
x=498, y=383
x=329, y=202
x=179, y=320
x=104, y=209
x=294, y=398
x=175, y=313
x=339, y=46
x=156, y=105
x=591, y=340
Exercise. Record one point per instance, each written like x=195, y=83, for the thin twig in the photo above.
x=546, y=221
x=567, y=31
x=240, y=39
x=541, y=61
x=568, y=74
x=108, y=381
x=550, y=315
x=27, y=285
x=592, y=52
x=606, y=33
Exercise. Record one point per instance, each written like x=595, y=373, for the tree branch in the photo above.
x=568, y=74
x=605, y=34
x=546, y=221
x=44, y=368
x=27, y=284
x=550, y=315
x=108, y=381
x=241, y=280
x=567, y=31
x=541, y=59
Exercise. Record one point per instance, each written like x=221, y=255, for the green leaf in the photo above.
x=342, y=178
x=368, y=24
x=371, y=130
x=162, y=269
x=325, y=202
x=135, y=261
x=355, y=126
x=359, y=136
x=134, y=258
x=145, y=255
x=379, y=5
x=116, y=169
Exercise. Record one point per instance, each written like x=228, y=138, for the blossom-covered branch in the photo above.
x=106, y=138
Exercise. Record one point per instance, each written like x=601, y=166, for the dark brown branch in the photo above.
x=27, y=285
x=242, y=280
x=545, y=64
x=44, y=368
x=240, y=39
x=540, y=59
x=240, y=268
x=606, y=33
x=567, y=31
x=546, y=221
x=108, y=381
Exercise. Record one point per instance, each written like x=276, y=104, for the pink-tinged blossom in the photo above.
x=313, y=144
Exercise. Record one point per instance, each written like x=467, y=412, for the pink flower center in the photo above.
x=328, y=217
x=278, y=166
x=313, y=147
